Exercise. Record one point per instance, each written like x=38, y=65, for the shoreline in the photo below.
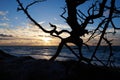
x=27, y=68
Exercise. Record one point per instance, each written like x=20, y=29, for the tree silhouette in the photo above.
x=78, y=22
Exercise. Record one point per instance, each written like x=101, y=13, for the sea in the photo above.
x=46, y=52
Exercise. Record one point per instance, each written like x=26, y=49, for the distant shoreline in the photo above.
x=45, y=52
x=50, y=46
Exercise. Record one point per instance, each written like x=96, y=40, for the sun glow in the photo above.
x=46, y=39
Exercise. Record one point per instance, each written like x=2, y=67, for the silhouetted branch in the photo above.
x=96, y=11
x=28, y=15
x=110, y=48
x=80, y=16
x=63, y=13
x=58, y=51
x=33, y=3
x=82, y=13
x=100, y=25
x=100, y=14
x=36, y=23
x=100, y=61
x=105, y=27
x=60, y=32
x=114, y=25
x=72, y=51
x=86, y=46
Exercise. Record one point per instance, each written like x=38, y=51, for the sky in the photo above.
x=17, y=30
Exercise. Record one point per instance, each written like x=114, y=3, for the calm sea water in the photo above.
x=40, y=52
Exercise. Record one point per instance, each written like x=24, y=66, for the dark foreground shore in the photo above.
x=27, y=68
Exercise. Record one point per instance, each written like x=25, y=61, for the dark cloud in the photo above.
x=45, y=36
x=5, y=39
x=40, y=35
x=5, y=35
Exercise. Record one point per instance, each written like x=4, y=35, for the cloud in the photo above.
x=25, y=31
x=42, y=22
x=63, y=26
x=4, y=24
x=6, y=39
x=27, y=34
x=5, y=35
x=3, y=13
x=32, y=27
x=5, y=18
x=47, y=35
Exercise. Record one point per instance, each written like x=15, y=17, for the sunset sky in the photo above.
x=17, y=29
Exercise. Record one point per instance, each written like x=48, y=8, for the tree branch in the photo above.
x=114, y=25
x=63, y=13
x=110, y=48
x=33, y=3
x=91, y=17
x=37, y=24
x=105, y=27
x=100, y=24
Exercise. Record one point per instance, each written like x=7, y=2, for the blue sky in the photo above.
x=16, y=29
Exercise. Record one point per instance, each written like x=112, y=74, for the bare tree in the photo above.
x=78, y=22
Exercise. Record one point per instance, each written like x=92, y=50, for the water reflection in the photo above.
x=40, y=52
x=40, y=57
x=45, y=54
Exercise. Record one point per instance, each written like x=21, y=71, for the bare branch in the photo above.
x=35, y=22
x=82, y=13
x=100, y=14
x=58, y=33
x=37, y=1
x=110, y=48
x=80, y=17
x=100, y=61
x=28, y=15
x=91, y=8
x=63, y=13
x=72, y=51
x=105, y=27
x=95, y=12
x=114, y=25
x=100, y=24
